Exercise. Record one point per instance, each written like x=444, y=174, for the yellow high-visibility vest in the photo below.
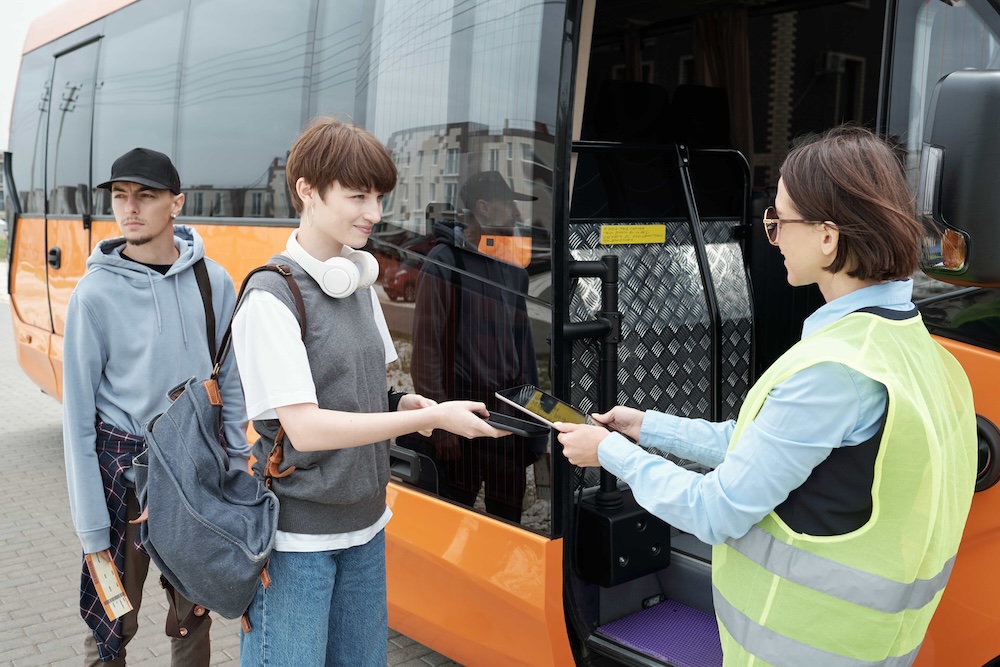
x=864, y=598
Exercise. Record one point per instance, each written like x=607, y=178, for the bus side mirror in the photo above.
x=958, y=197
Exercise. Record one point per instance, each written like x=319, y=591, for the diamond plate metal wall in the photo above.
x=665, y=350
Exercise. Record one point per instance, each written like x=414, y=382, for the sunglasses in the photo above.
x=772, y=224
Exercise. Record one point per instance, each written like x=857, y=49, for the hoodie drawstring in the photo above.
x=156, y=303
x=156, y=306
x=180, y=309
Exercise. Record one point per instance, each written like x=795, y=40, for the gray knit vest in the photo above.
x=339, y=490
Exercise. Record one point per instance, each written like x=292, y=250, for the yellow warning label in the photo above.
x=633, y=234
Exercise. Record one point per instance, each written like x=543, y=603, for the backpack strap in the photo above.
x=205, y=287
x=277, y=449
x=180, y=628
x=227, y=338
x=274, y=459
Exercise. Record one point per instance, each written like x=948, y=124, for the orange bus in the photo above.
x=650, y=132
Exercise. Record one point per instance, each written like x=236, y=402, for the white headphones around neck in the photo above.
x=338, y=277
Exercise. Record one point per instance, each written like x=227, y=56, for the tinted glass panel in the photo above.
x=971, y=316
x=27, y=131
x=945, y=38
x=136, y=86
x=464, y=240
x=69, y=132
x=242, y=103
x=934, y=39
x=335, y=60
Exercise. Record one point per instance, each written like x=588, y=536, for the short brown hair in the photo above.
x=851, y=177
x=331, y=150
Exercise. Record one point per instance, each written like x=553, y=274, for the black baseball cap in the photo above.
x=489, y=186
x=145, y=167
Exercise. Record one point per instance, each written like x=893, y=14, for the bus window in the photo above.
x=69, y=132
x=335, y=60
x=946, y=38
x=935, y=38
x=27, y=130
x=136, y=86
x=467, y=108
x=256, y=87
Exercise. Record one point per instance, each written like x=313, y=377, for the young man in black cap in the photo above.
x=137, y=327
x=471, y=338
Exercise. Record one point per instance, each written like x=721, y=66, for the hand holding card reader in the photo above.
x=614, y=544
x=542, y=405
x=514, y=425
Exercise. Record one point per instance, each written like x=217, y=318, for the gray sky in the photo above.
x=17, y=15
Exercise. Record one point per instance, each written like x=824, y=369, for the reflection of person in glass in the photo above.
x=472, y=336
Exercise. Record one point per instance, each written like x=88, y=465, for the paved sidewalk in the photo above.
x=40, y=554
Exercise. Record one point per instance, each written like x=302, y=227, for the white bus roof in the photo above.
x=66, y=18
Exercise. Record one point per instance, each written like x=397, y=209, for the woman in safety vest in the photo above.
x=839, y=494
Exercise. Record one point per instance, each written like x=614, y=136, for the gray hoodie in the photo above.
x=132, y=335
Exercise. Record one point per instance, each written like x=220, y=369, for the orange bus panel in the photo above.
x=444, y=561
x=241, y=248
x=966, y=626
x=29, y=304
x=32, y=347
x=74, y=242
x=28, y=290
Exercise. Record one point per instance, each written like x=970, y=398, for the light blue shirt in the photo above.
x=802, y=420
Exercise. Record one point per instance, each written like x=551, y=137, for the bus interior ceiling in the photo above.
x=716, y=78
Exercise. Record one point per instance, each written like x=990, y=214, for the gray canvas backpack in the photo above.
x=209, y=530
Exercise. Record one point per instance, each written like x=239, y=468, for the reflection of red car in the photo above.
x=400, y=281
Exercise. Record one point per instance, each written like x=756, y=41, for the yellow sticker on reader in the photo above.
x=633, y=234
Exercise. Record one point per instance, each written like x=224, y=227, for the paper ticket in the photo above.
x=109, y=587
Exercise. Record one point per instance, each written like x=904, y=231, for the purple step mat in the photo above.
x=669, y=631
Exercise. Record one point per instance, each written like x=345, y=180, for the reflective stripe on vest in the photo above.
x=836, y=579
x=781, y=651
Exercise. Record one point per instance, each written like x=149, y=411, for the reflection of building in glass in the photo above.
x=278, y=188
x=210, y=201
x=268, y=200
x=68, y=200
x=434, y=161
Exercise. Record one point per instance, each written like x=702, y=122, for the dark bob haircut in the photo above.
x=852, y=178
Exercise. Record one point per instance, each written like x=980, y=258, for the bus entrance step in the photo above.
x=671, y=632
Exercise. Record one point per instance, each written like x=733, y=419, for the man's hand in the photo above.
x=415, y=402
x=627, y=421
x=580, y=442
x=104, y=555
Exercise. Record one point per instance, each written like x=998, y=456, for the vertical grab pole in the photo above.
x=607, y=328
x=609, y=495
x=705, y=269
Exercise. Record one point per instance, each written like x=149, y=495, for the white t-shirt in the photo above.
x=274, y=370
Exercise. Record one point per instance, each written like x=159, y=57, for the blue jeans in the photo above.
x=322, y=608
